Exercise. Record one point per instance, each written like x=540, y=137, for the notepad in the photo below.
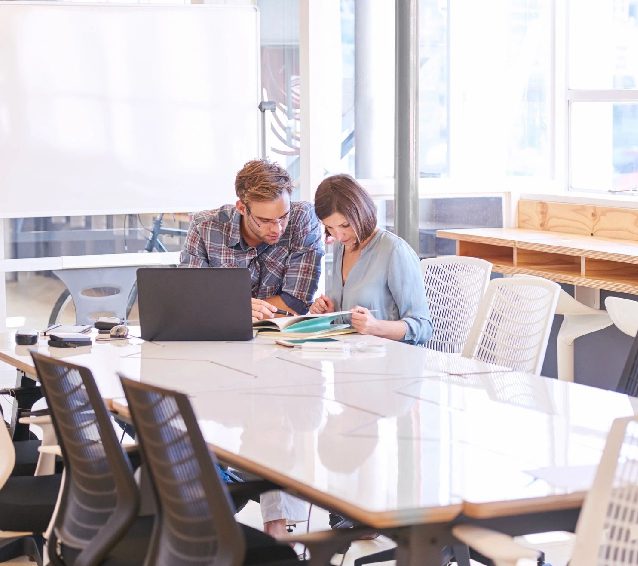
x=67, y=328
x=66, y=339
x=304, y=325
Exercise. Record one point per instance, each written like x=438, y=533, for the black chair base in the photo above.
x=30, y=546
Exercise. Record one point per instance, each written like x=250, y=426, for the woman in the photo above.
x=375, y=274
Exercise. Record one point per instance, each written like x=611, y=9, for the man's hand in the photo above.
x=322, y=305
x=363, y=321
x=262, y=309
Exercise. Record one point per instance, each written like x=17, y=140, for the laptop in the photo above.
x=194, y=304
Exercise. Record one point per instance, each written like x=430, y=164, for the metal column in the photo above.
x=406, y=166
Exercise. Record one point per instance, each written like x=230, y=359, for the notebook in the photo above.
x=302, y=323
x=194, y=304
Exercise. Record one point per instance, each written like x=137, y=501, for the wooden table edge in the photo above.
x=523, y=506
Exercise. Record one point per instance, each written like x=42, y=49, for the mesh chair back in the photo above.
x=606, y=530
x=100, y=498
x=196, y=523
x=513, y=323
x=454, y=286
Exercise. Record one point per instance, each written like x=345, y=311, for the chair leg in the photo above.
x=461, y=554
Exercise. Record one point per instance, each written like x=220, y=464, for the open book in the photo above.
x=304, y=326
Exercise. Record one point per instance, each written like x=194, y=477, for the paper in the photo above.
x=67, y=329
x=574, y=478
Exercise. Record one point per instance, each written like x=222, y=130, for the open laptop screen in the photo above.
x=194, y=304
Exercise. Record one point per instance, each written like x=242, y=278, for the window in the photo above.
x=280, y=80
x=602, y=95
x=485, y=90
x=500, y=85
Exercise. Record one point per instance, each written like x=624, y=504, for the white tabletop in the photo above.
x=89, y=261
x=389, y=433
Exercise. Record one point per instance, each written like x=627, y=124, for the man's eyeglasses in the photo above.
x=260, y=222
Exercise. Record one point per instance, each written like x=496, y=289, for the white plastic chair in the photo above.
x=513, y=323
x=607, y=531
x=454, y=286
x=624, y=314
x=578, y=320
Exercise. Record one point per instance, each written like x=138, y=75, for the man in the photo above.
x=280, y=243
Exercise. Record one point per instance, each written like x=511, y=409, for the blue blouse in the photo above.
x=385, y=279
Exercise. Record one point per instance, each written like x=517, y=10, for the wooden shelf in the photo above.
x=497, y=254
x=581, y=245
x=548, y=261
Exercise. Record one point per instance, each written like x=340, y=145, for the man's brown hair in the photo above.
x=261, y=180
x=342, y=194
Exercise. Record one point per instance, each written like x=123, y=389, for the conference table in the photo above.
x=404, y=439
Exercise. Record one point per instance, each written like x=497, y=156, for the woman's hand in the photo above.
x=262, y=309
x=363, y=321
x=322, y=305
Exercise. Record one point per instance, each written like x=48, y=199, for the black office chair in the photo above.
x=26, y=506
x=196, y=523
x=97, y=520
x=628, y=383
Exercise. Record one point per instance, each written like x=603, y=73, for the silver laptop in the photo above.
x=194, y=304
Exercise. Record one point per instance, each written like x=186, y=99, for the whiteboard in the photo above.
x=108, y=109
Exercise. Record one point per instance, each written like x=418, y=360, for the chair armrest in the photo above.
x=36, y=419
x=324, y=544
x=46, y=460
x=498, y=547
x=53, y=449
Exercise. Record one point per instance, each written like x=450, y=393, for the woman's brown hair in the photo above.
x=342, y=194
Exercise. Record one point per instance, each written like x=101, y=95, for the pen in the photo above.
x=52, y=327
x=285, y=313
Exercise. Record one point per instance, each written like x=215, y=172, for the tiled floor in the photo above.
x=29, y=304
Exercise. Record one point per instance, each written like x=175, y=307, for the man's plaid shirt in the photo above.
x=290, y=268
